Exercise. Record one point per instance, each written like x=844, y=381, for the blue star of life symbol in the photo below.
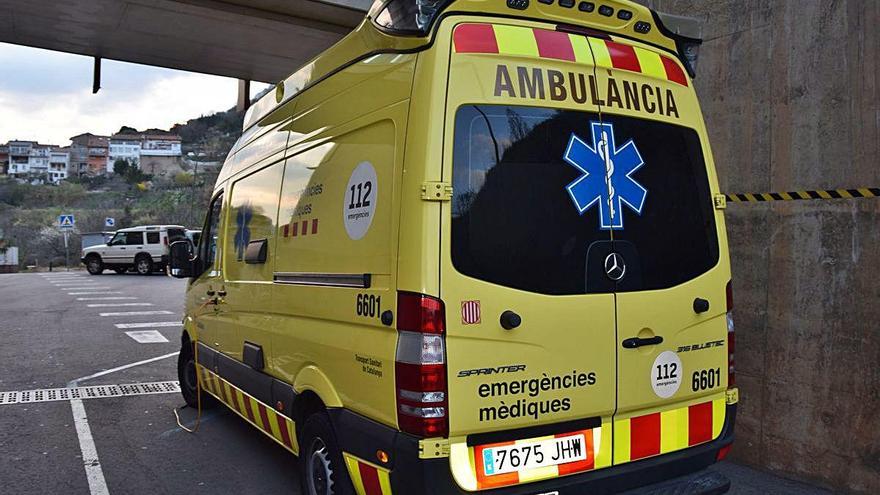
x=607, y=178
x=243, y=236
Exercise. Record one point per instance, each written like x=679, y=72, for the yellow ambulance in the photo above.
x=476, y=246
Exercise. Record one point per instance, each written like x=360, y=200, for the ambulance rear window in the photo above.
x=525, y=214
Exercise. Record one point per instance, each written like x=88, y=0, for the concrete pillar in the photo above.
x=244, y=95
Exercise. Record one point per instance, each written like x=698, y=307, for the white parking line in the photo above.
x=111, y=298
x=113, y=305
x=94, y=474
x=138, y=313
x=159, y=324
x=91, y=293
x=120, y=368
x=86, y=287
x=147, y=336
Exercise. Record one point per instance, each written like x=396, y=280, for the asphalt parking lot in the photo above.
x=65, y=329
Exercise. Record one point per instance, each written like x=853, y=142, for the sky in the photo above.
x=46, y=96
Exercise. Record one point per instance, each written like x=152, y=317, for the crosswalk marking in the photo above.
x=113, y=305
x=111, y=298
x=91, y=293
x=149, y=325
x=147, y=336
x=137, y=313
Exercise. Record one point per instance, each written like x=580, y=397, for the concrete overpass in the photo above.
x=259, y=40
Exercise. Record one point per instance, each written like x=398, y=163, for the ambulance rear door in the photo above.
x=668, y=256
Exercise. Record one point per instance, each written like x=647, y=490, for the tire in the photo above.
x=186, y=375
x=144, y=264
x=120, y=271
x=322, y=470
x=94, y=265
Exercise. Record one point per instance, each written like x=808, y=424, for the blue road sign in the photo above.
x=109, y=222
x=66, y=221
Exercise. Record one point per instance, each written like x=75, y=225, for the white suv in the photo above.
x=143, y=248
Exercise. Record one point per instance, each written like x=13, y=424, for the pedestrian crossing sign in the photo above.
x=66, y=222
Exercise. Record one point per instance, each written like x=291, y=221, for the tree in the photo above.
x=127, y=130
x=121, y=167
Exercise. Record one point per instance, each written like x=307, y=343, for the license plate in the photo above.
x=531, y=455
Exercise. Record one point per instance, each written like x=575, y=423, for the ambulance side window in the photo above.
x=208, y=246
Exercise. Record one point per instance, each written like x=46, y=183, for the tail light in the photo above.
x=420, y=366
x=166, y=240
x=731, y=338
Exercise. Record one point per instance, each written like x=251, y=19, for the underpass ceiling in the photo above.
x=260, y=40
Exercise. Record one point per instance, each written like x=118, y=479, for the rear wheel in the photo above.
x=94, y=265
x=144, y=264
x=186, y=375
x=322, y=470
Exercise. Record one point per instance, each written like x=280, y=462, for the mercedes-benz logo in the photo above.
x=615, y=267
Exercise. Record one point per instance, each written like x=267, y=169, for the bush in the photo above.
x=183, y=179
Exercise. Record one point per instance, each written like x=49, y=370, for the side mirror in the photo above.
x=182, y=260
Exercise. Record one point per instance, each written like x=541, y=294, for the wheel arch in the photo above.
x=189, y=332
x=314, y=392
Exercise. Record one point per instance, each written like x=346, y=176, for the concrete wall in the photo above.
x=790, y=94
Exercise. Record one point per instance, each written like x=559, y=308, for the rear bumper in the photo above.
x=681, y=472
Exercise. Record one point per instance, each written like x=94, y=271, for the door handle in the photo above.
x=635, y=342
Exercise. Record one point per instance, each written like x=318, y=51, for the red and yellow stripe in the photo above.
x=279, y=427
x=541, y=43
x=667, y=431
x=368, y=478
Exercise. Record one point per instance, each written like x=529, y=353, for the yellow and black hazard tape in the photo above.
x=864, y=192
